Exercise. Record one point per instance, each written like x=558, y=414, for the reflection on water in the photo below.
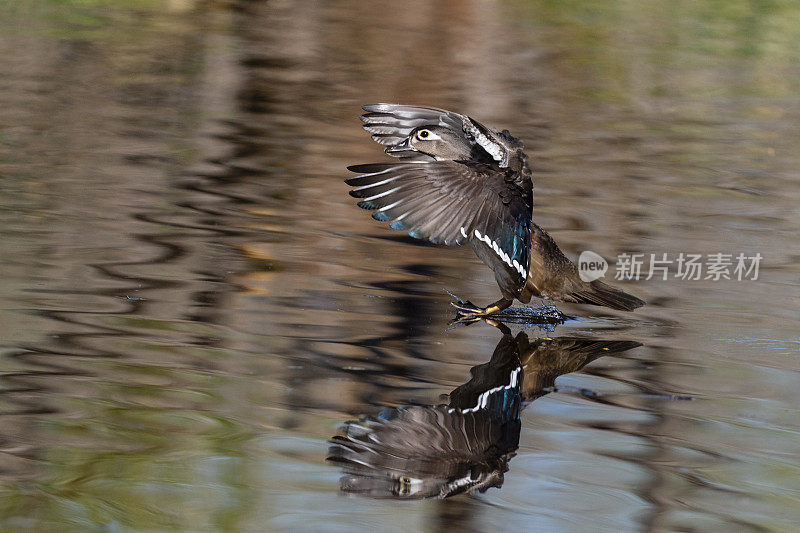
x=190, y=304
x=464, y=446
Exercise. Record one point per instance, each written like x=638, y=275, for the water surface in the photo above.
x=191, y=304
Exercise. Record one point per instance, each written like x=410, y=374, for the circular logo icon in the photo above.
x=591, y=266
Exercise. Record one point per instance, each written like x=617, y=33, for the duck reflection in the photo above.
x=417, y=452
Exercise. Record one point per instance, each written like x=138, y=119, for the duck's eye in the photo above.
x=423, y=134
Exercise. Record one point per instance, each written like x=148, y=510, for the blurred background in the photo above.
x=191, y=304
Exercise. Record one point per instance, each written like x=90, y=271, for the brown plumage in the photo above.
x=552, y=275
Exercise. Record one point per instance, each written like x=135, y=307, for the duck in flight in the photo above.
x=457, y=181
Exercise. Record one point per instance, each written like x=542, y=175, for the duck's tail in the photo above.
x=552, y=275
x=599, y=293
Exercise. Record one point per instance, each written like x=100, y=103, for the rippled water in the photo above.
x=191, y=305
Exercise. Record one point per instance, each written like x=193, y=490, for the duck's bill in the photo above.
x=404, y=146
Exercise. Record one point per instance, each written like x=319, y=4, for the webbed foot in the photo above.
x=468, y=310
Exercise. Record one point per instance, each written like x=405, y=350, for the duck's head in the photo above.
x=436, y=141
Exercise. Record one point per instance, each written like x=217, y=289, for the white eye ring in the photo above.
x=429, y=135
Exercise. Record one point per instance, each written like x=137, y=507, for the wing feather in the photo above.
x=487, y=201
x=390, y=124
x=454, y=202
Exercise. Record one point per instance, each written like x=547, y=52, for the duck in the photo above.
x=464, y=446
x=455, y=181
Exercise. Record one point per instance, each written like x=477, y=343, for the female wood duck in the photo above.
x=438, y=451
x=458, y=181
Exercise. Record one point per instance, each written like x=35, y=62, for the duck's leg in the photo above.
x=468, y=309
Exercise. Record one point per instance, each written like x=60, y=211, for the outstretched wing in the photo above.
x=453, y=202
x=423, y=452
x=390, y=124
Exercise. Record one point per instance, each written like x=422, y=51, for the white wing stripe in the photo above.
x=483, y=399
x=381, y=195
x=387, y=180
x=390, y=206
x=500, y=253
x=377, y=173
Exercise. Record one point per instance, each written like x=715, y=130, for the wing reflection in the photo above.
x=439, y=451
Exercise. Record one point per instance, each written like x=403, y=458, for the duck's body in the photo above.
x=459, y=182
